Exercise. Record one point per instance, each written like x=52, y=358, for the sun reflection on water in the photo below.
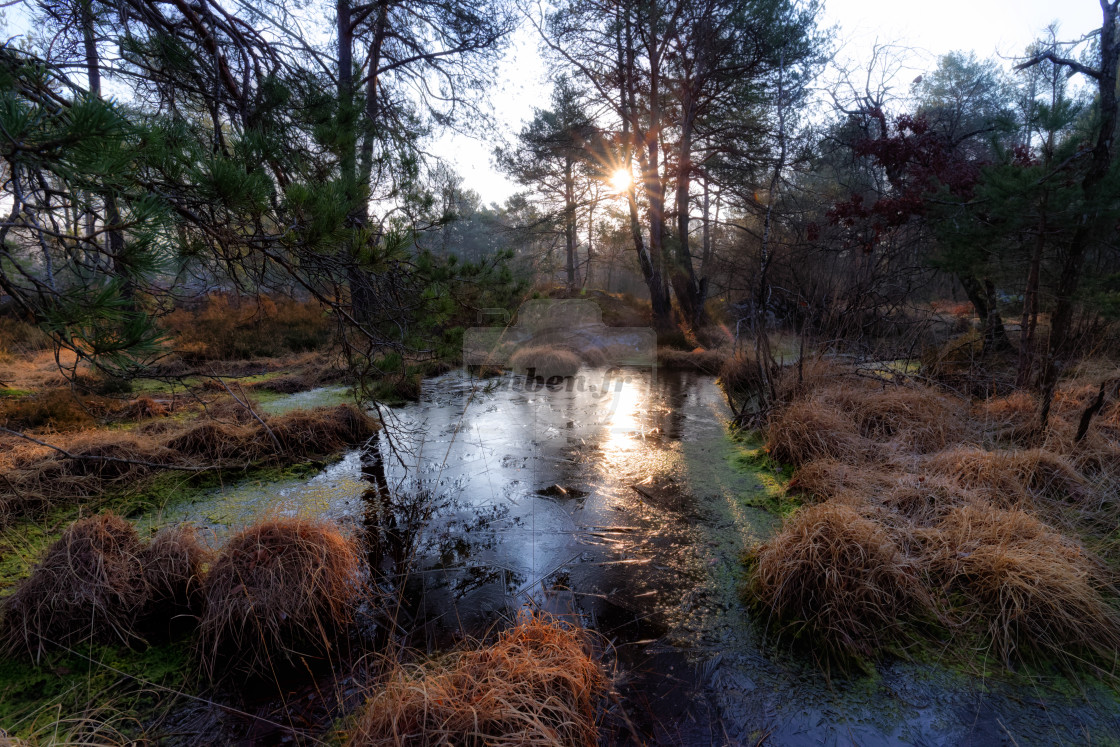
x=628, y=400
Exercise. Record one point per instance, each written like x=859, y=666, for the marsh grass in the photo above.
x=278, y=593
x=545, y=361
x=36, y=478
x=924, y=510
x=537, y=684
x=87, y=588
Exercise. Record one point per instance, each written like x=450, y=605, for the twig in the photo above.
x=247, y=406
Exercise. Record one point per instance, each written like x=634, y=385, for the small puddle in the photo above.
x=323, y=396
x=614, y=499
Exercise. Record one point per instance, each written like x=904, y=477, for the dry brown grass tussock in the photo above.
x=917, y=420
x=1028, y=585
x=545, y=361
x=173, y=564
x=809, y=429
x=1015, y=409
x=824, y=479
x=88, y=587
x=536, y=685
x=278, y=592
x=1012, y=477
x=39, y=477
x=704, y=360
x=910, y=493
x=841, y=575
x=741, y=373
x=857, y=422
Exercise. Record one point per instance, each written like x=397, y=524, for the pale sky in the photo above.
x=990, y=27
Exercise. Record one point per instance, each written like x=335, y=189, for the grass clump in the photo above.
x=1013, y=477
x=88, y=587
x=545, y=361
x=54, y=408
x=536, y=685
x=1033, y=588
x=93, y=728
x=842, y=576
x=699, y=359
x=172, y=571
x=103, y=461
x=741, y=374
x=278, y=592
x=809, y=429
x=926, y=493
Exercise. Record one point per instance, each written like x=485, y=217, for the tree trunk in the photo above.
x=1094, y=221
x=689, y=291
x=570, y=221
x=362, y=295
x=1029, y=322
x=113, y=233
x=981, y=293
x=648, y=260
x=590, y=239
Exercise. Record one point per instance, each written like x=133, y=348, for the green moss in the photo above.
x=146, y=504
x=771, y=489
x=11, y=393
x=69, y=685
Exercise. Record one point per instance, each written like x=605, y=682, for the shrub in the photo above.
x=279, y=591
x=19, y=337
x=231, y=328
x=88, y=587
x=400, y=386
x=740, y=374
x=841, y=575
x=536, y=685
x=55, y=408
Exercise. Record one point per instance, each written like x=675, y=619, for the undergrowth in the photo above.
x=930, y=518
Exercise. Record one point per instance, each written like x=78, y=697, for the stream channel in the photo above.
x=615, y=498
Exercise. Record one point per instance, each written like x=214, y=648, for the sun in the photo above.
x=621, y=180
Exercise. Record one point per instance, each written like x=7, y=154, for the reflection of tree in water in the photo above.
x=470, y=531
x=397, y=519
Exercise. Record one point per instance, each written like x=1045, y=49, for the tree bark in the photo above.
x=362, y=296
x=570, y=221
x=114, y=235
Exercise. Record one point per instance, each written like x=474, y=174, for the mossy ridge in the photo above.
x=145, y=504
